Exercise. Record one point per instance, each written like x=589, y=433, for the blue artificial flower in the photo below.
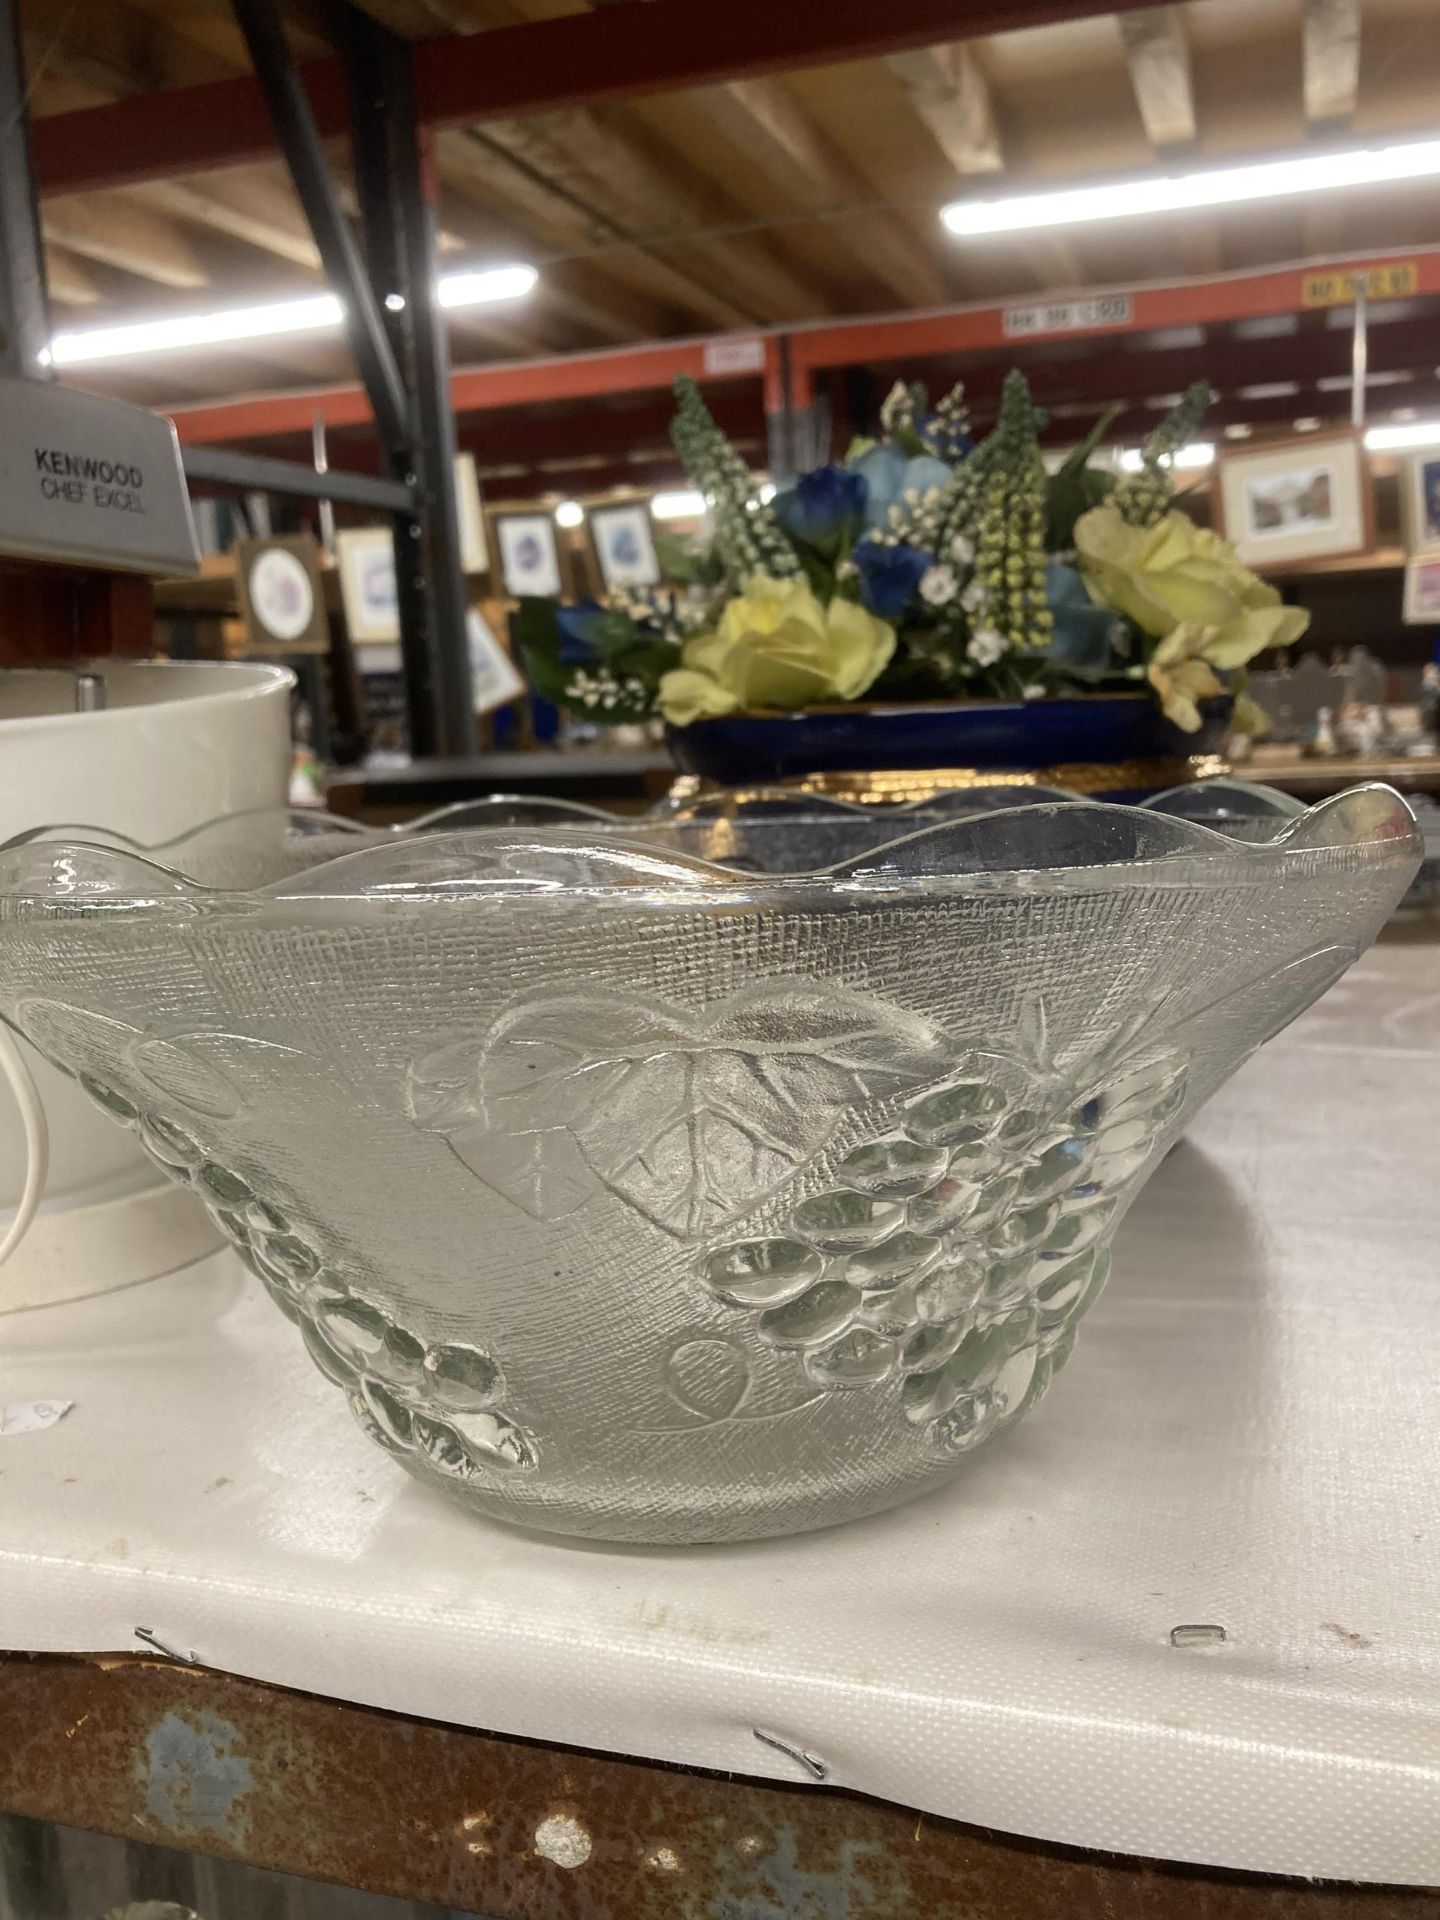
x=889, y=576
x=1084, y=634
x=577, y=626
x=889, y=476
x=823, y=507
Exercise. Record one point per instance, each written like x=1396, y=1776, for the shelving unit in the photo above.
x=298, y=1735
x=1225, y=1446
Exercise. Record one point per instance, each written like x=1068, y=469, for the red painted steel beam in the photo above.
x=1229, y=297
x=956, y=332
x=185, y=130
x=515, y=383
x=1421, y=395
x=510, y=73
x=1099, y=377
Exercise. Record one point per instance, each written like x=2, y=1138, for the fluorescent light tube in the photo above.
x=1408, y=433
x=231, y=326
x=680, y=505
x=490, y=284
x=1176, y=193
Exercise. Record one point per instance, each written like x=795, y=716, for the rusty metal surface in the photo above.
x=189, y=1758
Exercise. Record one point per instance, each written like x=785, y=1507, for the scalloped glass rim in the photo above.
x=447, y=854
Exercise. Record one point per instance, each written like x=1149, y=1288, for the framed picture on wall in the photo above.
x=1296, y=500
x=493, y=674
x=365, y=558
x=622, y=539
x=1420, y=502
x=474, y=549
x=281, y=600
x=1422, y=593
x=528, y=551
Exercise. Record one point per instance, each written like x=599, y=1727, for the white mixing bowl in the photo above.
x=174, y=744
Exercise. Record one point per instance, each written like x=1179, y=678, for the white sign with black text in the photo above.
x=92, y=482
x=1067, y=316
x=728, y=356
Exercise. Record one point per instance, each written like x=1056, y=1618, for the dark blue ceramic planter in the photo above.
x=1117, y=745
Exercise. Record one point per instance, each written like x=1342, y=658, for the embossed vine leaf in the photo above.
x=208, y=1071
x=544, y=1174
x=693, y=1117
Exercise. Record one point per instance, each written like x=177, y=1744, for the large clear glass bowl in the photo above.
x=696, y=1178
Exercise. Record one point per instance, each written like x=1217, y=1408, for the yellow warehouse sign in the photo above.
x=1390, y=282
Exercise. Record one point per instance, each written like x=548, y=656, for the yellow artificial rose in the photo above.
x=777, y=646
x=1182, y=676
x=1167, y=573
x=687, y=695
x=1182, y=668
x=1183, y=585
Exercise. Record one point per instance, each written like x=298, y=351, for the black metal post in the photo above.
x=396, y=206
x=290, y=109
x=24, y=308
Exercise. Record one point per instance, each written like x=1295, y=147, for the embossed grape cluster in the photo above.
x=436, y=1403
x=958, y=1251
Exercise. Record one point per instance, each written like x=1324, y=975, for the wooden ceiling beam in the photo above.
x=1158, y=55
x=772, y=128
x=1331, y=76
x=68, y=281
x=119, y=231
x=518, y=72
x=949, y=92
x=214, y=207
x=1332, y=61
x=577, y=291
x=952, y=96
x=646, y=199
x=243, y=209
x=610, y=312
x=479, y=169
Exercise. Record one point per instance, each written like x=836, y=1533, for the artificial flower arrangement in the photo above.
x=924, y=567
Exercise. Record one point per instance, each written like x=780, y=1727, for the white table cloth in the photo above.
x=1248, y=1435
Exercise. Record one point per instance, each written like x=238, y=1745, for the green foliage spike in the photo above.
x=748, y=537
x=1144, y=498
x=1000, y=507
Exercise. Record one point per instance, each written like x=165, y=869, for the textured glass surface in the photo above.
x=722, y=1173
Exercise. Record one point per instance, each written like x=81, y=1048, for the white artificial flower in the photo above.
x=938, y=585
x=895, y=406
x=974, y=596
x=963, y=549
x=1033, y=692
x=985, y=647
x=600, y=689
x=912, y=496
x=847, y=570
